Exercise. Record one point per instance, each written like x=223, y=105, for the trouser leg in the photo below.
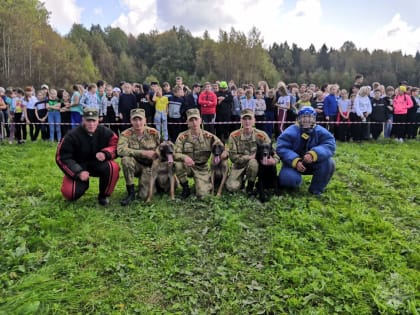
x=108, y=173
x=73, y=189
x=289, y=177
x=322, y=173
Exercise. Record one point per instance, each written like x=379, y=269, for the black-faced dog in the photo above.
x=219, y=168
x=267, y=174
x=163, y=171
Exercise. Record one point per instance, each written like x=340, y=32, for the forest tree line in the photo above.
x=32, y=53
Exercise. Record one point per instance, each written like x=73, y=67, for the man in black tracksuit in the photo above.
x=88, y=150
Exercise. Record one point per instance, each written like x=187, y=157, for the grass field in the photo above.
x=354, y=250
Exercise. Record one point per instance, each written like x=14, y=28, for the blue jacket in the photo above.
x=330, y=105
x=292, y=146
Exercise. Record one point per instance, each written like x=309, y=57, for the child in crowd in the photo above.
x=3, y=109
x=54, y=118
x=318, y=105
x=283, y=105
x=41, y=114
x=127, y=101
x=29, y=101
x=249, y=101
x=260, y=108
x=76, y=110
x=353, y=115
x=379, y=114
x=109, y=109
x=291, y=114
x=270, y=101
x=166, y=90
x=91, y=98
x=304, y=100
x=411, y=130
x=389, y=102
x=8, y=99
x=161, y=113
x=331, y=107
x=175, y=113
x=236, y=108
x=343, y=115
x=363, y=108
x=417, y=124
x=18, y=110
x=402, y=102
x=65, y=114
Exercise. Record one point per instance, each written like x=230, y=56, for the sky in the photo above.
x=371, y=24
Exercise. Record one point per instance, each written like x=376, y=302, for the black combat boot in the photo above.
x=131, y=195
x=185, y=190
x=103, y=200
x=250, y=188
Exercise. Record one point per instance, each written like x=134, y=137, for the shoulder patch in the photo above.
x=236, y=133
x=152, y=131
x=207, y=134
x=127, y=133
x=261, y=134
x=182, y=135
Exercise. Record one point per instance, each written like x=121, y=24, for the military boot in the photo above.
x=185, y=190
x=131, y=195
x=250, y=188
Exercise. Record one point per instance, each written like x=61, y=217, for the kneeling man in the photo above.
x=306, y=149
x=192, y=153
x=86, y=151
x=137, y=148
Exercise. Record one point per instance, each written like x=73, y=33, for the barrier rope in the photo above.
x=222, y=123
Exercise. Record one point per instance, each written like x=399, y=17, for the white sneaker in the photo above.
x=401, y=140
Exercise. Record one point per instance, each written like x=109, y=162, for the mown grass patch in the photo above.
x=354, y=250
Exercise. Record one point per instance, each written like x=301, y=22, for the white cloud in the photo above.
x=141, y=17
x=198, y=16
x=303, y=24
x=396, y=35
x=63, y=14
x=264, y=15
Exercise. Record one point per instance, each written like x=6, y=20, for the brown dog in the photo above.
x=163, y=171
x=218, y=168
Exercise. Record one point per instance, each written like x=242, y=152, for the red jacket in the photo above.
x=207, y=102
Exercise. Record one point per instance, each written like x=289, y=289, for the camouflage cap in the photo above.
x=193, y=113
x=138, y=112
x=247, y=113
x=90, y=113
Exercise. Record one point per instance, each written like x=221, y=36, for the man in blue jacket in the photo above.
x=306, y=149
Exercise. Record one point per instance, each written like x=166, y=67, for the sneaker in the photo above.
x=401, y=140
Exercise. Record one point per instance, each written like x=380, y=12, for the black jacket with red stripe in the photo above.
x=79, y=147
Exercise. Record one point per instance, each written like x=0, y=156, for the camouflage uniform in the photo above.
x=199, y=149
x=240, y=147
x=134, y=164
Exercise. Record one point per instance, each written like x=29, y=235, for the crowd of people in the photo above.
x=359, y=113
